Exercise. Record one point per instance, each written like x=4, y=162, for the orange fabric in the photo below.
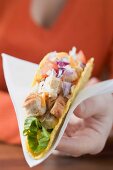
x=86, y=24
x=8, y=123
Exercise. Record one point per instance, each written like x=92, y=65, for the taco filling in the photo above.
x=53, y=86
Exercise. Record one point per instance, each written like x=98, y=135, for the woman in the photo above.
x=31, y=28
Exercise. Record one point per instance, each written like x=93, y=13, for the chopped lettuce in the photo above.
x=38, y=137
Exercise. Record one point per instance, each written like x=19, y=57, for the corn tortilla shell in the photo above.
x=80, y=84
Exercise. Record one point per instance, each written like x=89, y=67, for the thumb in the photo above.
x=92, y=106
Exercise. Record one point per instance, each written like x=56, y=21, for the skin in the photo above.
x=45, y=13
x=89, y=127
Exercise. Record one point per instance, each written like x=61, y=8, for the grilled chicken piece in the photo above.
x=48, y=121
x=33, y=105
x=52, y=85
x=58, y=107
x=50, y=102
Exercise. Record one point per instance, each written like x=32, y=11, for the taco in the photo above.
x=59, y=78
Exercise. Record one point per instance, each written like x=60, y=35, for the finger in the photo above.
x=91, y=106
x=92, y=81
x=82, y=144
x=74, y=125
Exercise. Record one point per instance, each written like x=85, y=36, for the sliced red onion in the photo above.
x=66, y=86
x=70, y=75
x=62, y=64
x=60, y=72
x=68, y=72
x=82, y=65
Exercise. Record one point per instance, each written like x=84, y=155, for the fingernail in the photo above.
x=94, y=80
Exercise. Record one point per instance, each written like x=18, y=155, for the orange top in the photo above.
x=88, y=25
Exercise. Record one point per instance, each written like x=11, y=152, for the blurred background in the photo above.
x=31, y=28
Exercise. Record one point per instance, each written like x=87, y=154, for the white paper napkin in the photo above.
x=19, y=75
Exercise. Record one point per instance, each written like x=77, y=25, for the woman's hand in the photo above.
x=89, y=127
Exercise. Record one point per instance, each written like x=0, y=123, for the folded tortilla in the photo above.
x=80, y=83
